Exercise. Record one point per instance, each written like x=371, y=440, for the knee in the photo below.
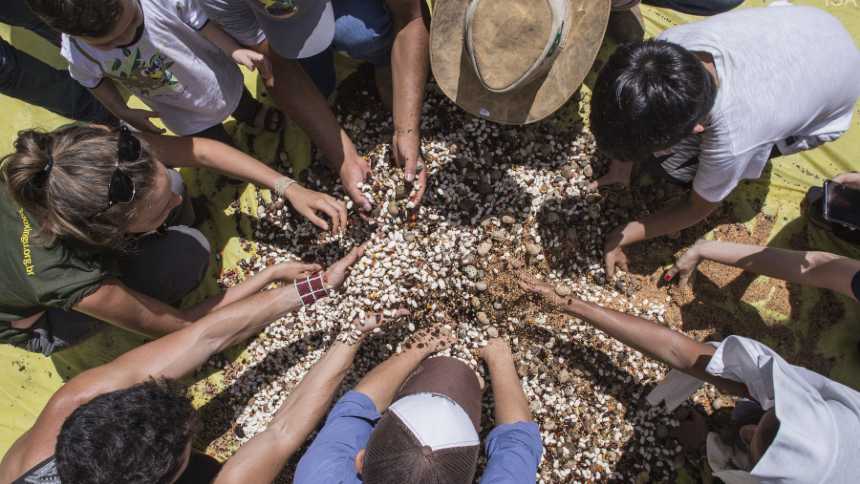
x=366, y=37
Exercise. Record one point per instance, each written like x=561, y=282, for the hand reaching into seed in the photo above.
x=534, y=285
x=290, y=271
x=685, y=266
x=352, y=173
x=618, y=174
x=496, y=348
x=374, y=321
x=436, y=338
x=337, y=272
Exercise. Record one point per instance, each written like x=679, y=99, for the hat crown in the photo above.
x=508, y=37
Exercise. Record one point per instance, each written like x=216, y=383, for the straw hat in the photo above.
x=514, y=61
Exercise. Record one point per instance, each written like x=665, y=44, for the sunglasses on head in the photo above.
x=121, y=188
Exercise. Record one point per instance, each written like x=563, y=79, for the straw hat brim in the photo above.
x=456, y=77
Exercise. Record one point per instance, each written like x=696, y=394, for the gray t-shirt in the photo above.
x=173, y=68
x=789, y=76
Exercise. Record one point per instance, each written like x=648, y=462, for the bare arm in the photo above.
x=264, y=456
x=673, y=348
x=110, y=97
x=172, y=356
x=382, y=382
x=677, y=217
x=117, y=304
x=296, y=94
x=410, y=66
x=810, y=268
x=246, y=57
x=205, y=153
x=511, y=403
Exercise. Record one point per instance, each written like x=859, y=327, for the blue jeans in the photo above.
x=26, y=78
x=363, y=30
x=702, y=8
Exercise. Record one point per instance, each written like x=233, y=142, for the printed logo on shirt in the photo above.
x=280, y=8
x=25, y=244
x=148, y=77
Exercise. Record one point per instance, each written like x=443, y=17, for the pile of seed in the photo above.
x=501, y=200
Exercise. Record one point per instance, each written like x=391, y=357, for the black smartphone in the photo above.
x=841, y=204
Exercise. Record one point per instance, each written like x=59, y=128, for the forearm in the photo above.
x=225, y=159
x=300, y=99
x=669, y=220
x=246, y=288
x=510, y=401
x=410, y=66
x=671, y=347
x=382, y=383
x=221, y=39
x=809, y=268
x=110, y=97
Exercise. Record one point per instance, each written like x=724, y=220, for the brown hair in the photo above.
x=62, y=179
x=91, y=18
x=394, y=456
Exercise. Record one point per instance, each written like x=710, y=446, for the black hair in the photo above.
x=649, y=96
x=90, y=18
x=137, y=435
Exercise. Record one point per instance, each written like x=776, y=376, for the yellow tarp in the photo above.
x=28, y=380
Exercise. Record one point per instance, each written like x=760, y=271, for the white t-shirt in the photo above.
x=788, y=76
x=172, y=68
x=819, y=418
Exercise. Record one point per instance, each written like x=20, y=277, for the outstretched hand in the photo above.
x=353, y=172
x=613, y=254
x=618, y=174
x=406, y=152
x=685, y=266
x=254, y=60
x=337, y=272
x=534, y=285
x=290, y=271
x=372, y=321
x=140, y=120
x=309, y=203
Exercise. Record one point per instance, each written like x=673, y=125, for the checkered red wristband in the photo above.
x=312, y=288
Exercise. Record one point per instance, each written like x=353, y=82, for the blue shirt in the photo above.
x=513, y=450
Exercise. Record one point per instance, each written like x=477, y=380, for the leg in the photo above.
x=696, y=7
x=30, y=80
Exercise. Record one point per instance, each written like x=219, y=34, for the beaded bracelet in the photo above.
x=283, y=184
x=312, y=288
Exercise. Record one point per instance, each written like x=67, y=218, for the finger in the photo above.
x=686, y=279
x=359, y=198
x=309, y=267
x=623, y=265
x=670, y=274
x=353, y=255
x=411, y=165
x=610, y=268
x=331, y=213
x=422, y=187
x=841, y=178
x=340, y=217
x=316, y=220
x=264, y=66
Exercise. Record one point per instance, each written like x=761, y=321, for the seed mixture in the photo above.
x=501, y=200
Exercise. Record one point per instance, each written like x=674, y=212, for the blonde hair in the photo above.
x=62, y=178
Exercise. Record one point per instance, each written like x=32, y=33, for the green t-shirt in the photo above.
x=35, y=277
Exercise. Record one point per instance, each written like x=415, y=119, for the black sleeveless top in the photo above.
x=201, y=469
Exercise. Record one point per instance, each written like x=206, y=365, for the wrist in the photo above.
x=283, y=185
x=312, y=288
